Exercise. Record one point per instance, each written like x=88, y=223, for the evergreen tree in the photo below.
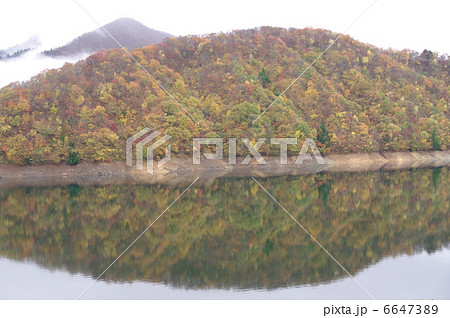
x=322, y=134
x=435, y=144
x=265, y=80
x=73, y=158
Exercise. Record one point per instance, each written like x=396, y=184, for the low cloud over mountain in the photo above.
x=20, y=48
x=26, y=59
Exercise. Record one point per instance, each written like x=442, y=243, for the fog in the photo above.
x=398, y=24
x=31, y=63
x=31, y=42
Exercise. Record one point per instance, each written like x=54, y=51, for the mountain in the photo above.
x=20, y=48
x=128, y=32
x=355, y=98
x=15, y=54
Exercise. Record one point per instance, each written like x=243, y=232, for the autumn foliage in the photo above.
x=365, y=98
x=229, y=233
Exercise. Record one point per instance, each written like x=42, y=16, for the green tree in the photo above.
x=73, y=158
x=436, y=145
x=242, y=114
x=322, y=134
x=265, y=80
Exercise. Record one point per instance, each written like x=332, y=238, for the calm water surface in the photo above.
x=229, y=239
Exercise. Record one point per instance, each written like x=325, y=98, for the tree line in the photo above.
x=355, y=98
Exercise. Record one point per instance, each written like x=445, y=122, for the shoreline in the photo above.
x=183, y=171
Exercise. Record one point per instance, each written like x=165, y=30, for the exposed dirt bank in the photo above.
x=182, y=170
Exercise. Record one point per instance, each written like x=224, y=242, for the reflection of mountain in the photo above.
x=128, y=32
x=229, y=234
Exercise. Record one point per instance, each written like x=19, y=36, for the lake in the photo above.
x=228, y=239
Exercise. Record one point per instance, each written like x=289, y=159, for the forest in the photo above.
x=229, y=234
x=14, y=55
x=355, y=98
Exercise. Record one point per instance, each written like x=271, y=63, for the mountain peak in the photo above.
x=127, y=31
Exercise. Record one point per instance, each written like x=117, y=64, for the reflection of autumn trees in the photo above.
x=370, y=99
x=229, y=234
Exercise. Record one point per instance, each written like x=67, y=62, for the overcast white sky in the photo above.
x=389, y=23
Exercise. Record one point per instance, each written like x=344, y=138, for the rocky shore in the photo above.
x=182, y=170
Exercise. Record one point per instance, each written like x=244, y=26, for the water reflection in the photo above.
x=229, y=234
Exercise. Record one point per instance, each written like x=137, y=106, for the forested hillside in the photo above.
x=356, y=97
